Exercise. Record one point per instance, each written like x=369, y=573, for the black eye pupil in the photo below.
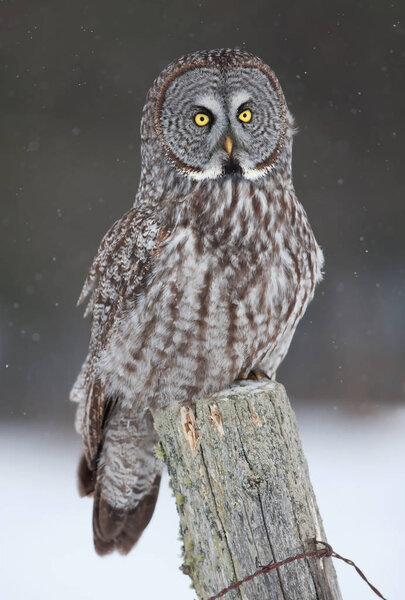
x=201, y=118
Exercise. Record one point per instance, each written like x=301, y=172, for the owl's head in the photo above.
x=219, y=113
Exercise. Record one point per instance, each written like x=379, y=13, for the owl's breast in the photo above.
x=278, y=294
x=209, y=311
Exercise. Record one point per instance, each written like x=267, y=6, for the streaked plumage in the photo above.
x=203, y=281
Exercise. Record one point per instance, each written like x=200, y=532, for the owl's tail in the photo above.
x=125, y=482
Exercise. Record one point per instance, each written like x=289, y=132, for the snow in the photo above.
x=356, y=466
x=357, y=469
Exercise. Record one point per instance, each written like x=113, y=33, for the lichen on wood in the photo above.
x=236, y=462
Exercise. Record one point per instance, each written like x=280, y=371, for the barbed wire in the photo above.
x=326, y=552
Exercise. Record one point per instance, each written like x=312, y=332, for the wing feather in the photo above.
x=117, y=275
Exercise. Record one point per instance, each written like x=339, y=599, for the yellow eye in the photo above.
x=245, y=116
x=201, y=119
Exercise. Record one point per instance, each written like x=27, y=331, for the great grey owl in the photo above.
x=201, y=283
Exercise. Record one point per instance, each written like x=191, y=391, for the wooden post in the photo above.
x=244, y=496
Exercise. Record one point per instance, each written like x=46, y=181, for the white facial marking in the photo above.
x=210, y=102
x=236, y=101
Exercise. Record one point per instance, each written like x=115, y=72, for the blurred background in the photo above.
x=74, y=76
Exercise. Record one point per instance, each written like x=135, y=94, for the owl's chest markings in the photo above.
x=230, y=220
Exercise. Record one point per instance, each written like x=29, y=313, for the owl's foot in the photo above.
x=257, y=375
x=254, y=374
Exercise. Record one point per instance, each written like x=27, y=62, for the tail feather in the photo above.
x=119, y=529
x=124, y=479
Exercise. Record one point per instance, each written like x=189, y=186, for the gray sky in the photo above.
x=74, y=79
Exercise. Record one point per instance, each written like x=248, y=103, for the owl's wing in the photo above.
x=117, y=275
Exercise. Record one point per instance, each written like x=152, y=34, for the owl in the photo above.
x=201, y=283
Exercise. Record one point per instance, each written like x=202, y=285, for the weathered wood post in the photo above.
x=244, y=496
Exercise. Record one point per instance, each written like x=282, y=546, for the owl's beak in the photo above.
x=228, y=145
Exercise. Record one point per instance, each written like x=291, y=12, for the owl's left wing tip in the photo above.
x=87, y=288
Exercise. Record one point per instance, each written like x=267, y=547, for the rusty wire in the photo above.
x=325, y=552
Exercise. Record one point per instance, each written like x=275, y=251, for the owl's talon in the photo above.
x=257, y=375
x=242, y=375
x=254, y=374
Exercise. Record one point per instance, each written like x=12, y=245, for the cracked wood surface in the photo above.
x=243, y=495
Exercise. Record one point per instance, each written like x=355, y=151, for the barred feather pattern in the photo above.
x=204, y=279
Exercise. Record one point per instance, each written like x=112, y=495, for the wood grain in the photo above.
x=244, y=496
